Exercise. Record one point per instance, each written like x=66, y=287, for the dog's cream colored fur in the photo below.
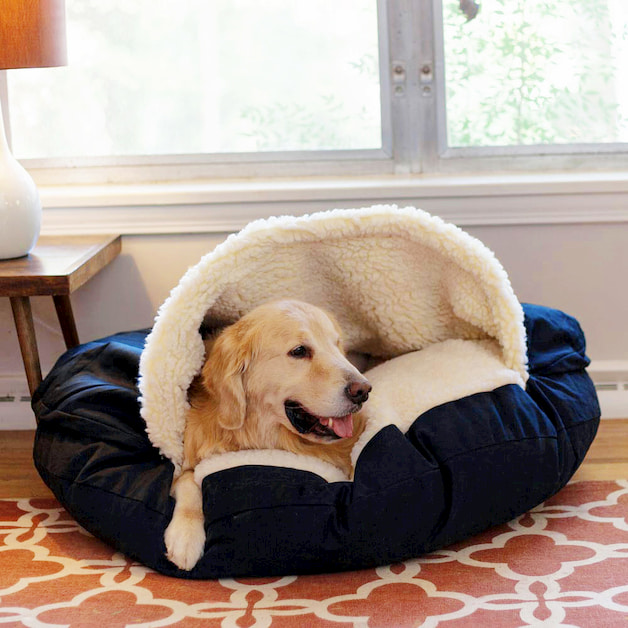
x=237, y=402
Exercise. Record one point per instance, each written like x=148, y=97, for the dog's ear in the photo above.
x=223, y=376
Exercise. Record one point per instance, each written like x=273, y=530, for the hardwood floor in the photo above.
x=18, y=477
x=607, y=460
x=608, y=457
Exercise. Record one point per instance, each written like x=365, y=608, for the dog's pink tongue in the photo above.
x=343, y=426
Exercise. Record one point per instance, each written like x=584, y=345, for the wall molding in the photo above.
x=225, y=206
x=611, y=381
x=15, y=407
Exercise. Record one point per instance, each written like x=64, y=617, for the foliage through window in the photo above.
x=537, y=72
x=174, y=77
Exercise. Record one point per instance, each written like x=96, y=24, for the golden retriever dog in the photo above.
x=276, y=379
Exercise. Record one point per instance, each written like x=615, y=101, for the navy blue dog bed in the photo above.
x=462, y=467
x=480, y=409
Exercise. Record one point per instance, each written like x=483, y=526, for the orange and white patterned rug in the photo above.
x=563, y=564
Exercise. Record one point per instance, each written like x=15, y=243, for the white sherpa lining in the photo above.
x=267, y=458
x=398, y=280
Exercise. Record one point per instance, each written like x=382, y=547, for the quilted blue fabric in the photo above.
x=461, y=468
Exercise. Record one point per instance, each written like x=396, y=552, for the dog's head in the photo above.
x=283, y=365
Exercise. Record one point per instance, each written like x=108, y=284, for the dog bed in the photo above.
x=480, y=410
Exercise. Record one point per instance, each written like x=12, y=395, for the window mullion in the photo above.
x=402, y=86
x=413, y=95
x=438, y=114
x=384, y=38
x=429, y=75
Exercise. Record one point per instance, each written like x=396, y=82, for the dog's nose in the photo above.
x=358, y=392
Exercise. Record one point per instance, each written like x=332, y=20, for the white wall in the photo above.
x=579, y=268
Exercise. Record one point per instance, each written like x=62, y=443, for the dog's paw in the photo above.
x=185, y=541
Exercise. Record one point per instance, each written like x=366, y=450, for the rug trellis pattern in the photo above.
x=563, y=564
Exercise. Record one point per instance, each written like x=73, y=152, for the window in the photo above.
x=537, y=72
x=226, y=76
x=171, y=90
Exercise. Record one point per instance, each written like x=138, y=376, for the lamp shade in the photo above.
x=32, y=34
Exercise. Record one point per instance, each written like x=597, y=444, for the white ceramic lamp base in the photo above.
x=20, y=206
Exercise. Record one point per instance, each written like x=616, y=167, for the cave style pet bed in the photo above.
x=481, y=409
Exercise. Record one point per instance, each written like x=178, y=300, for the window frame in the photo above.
x=414, y=137
x=522, y=158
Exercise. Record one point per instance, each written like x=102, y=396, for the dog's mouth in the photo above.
x=329, y=428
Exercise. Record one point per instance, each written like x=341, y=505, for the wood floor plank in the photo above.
x=602, y=471
x=18, y=476
x=611, y=442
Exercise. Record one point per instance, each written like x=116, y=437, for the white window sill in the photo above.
x=225, y=206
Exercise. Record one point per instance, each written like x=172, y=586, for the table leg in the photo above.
x=66, y=320
x=23, y=317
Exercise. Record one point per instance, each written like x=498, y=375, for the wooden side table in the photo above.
x=56, y=267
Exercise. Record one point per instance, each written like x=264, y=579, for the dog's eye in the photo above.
x=300, y=352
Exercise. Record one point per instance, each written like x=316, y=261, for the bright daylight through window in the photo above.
x=168, y=78
x=537, y=72
x=172, y=77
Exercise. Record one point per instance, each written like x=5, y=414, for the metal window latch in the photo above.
x=398, y=74
x=426, y=79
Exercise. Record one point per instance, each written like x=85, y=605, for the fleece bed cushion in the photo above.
x=450, y=452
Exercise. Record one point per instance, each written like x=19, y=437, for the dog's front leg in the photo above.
x=185, y=535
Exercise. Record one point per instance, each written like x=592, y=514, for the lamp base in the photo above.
x=20, y=206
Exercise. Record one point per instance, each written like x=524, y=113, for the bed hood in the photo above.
x=397, y=279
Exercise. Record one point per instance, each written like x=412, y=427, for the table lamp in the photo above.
x=32, y=35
